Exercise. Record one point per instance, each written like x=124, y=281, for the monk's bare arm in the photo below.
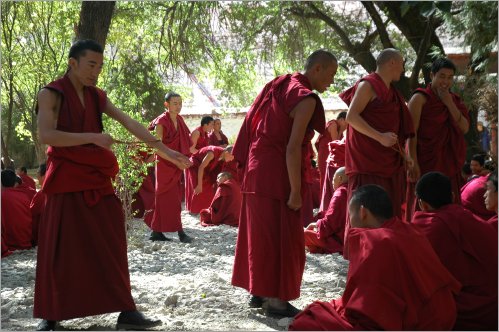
x=48, y=109
x=362, y=97
x=158, y=130
x=139, y=131
x=415, y=107
x=302, y=113
x=456, y=114
x=333, y=131
x=194, y=139
x=206, y=161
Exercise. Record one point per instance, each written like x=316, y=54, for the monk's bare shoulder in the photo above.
x=366, y=90
x=48, y=100
x=418, y=98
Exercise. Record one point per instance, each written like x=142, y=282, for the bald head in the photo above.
x=322, y=57
x=388, y=55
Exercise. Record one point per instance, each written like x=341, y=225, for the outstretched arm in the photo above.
x=206, y=161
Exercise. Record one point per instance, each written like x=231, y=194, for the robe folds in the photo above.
x=395, y=282
x=167, y=206
x=37, y=207
x=232, y=168
x=213, y=140
x=440, y=144
x=493, y=221
x=16, y=219
x=472, y=197
x=270, y=256
x=225, y=206
x=467, y=247
x=195, y=203
x=28, y=181
x=335, y=160
x=331, y=228
x=203, y=139
x=82, y=266
x=321, y=145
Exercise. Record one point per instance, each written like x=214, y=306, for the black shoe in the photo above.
x=158, y=236
x=289, y=311
x=135, y=320
x=46, y=325
x=255, y=301
x=184, y=238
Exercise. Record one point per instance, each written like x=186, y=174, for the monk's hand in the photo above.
x=445, y=96
x=182, y=161
x=103, y=140
x=413, y=173
x=312, y=226
x=192, y=150
x=388, y=139
x=198, y=190
x=294, y=201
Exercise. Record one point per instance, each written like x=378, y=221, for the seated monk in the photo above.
x=491, y=198
x=28, y=181
x=226, y=205
x=37, y=205
x=335, y=160
x=472, y=197
x=466, y=246
x=395, y=279
x=16, y=219
x=326, y=235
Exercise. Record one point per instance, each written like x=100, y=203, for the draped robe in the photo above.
x=16, y=219
x=225, y=206
x=335, y=160
x=472, y=197
x=213, y=140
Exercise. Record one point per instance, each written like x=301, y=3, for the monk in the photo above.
x=440, y=121
x=270, y=259
x=37, y=205
x=466, y=246
x=477, y=165
x=199, y=136
x=334, y=131
x=326, y=235
x=201, y=178
x=217, y=137
x=226, y=204
x=28, y=181
x=82, y=267
x=395, y=280
x=143, y=199
x=16, y=217
x=490, y=197
x=472, y=194
x=167, y=207
x=379, y=125
x=335, y=160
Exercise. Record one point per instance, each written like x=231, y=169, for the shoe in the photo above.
x=255, y=301
x=46, y=325
x=135, y=320
x=184, y=238
x=158, y=236
x=289, y=311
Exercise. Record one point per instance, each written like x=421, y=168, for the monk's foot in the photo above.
x=158, y=236
x=135, y=320
x=255, y=301
x=277, y=308
x=46, y=325
x=184, y=238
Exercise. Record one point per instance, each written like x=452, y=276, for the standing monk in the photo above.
x=270, y=255
x=199, y=136
x=440, y=121
x=173, y=132
x=217, y=137
x=82, y=267
x=379, y=123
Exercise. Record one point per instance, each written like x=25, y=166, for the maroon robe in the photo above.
x=16, y=219
x=493, y=221
x=213, y=140
x=225, y=206
x=472, y=197
x=144, y=198
x=307, y=208
x=335, y=160
x=330, y=229
x=315, y=187
x=440, y=145
x=82, y=266
x=37, y=207
x=203, y=139
x=231, y=167
x=321, y=144
x=467, y=247
x=269, y=258
x=195, y=203
x=28, y=181
x=395, y=282
x=167, y=206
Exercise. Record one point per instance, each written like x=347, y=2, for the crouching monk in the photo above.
x=226, y=205
x=395, y=279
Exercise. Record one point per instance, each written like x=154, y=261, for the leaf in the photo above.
x=444, y=6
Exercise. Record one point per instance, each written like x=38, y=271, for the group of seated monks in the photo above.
x=25, y=204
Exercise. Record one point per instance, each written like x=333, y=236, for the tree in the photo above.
x=95, y=19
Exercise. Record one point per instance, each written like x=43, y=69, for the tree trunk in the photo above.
x=6, y=158
x=95, y=19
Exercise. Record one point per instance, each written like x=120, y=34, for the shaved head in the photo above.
x=340, y=171
x=322, y=57
x=387, y=55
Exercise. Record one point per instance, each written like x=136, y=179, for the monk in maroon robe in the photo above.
x=466, y=246
x=82, y=267
x=440, y=121
x=307, y=208
x=37, y=205
x=379, y=124
x=201, y=178
x=395, y=280
x=334, y=131
x=472, y=194
x=143, y=198
x=199, y=136
x=226, y=204
x=335, y=160
x=28, y=181
x=490, y=198
x=16, y=217
x=167, y=206
x=326, y=235
x=270, y=147
x=217, y=137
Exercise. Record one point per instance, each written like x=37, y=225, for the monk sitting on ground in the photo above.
x=37, y=205
x=16, y=217
x=28, y=181
x=326, y=235
x=226, y=205
x=472, y=197
x=467, y=247
x=395, y=279
x=491, y=198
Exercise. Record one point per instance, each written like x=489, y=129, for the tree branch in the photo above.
x=380, y=25
x=422, y=51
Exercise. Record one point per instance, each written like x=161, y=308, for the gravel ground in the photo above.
x=187, y=286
